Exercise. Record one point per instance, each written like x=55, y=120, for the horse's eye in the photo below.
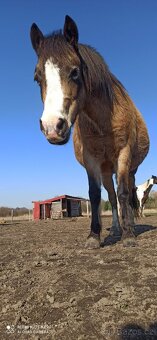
x=75, y=73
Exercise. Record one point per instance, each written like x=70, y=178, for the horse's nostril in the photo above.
x=60, y=124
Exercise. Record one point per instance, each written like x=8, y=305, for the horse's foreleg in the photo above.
x=93, y=240
x=123, y=197
x=109, y=186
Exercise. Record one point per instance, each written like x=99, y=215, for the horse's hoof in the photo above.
x=115, y=232
x=93, y=242
x=129, y=242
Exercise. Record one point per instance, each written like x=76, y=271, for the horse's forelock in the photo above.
x=58, y=49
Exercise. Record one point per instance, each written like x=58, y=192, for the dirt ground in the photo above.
x=54, y=288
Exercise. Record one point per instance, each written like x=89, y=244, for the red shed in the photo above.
x=58, y=207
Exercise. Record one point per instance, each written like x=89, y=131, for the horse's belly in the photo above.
x=141, y=148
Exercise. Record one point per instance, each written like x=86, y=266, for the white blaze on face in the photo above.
x=53, y=104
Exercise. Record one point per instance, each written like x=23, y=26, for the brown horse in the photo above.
x=110, y=136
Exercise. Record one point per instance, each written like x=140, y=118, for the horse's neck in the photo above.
x=148, y=189
x=146, y=186
x=95, y=113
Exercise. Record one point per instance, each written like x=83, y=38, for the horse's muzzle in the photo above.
x=59, y=142
x=58, y=133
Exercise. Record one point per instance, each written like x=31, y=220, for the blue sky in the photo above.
x=125, y=33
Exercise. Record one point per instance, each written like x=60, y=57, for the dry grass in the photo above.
x=16, y=218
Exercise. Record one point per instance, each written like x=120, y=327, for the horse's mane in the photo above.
x=97, y=76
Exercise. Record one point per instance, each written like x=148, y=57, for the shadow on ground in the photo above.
x=110, y=240
x=135, y=332
x=138, y=229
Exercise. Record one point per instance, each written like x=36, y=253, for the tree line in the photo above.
x=5, y=211
x=105, y=205
x=151, y=203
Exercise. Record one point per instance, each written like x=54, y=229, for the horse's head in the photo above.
x=60, y=77
x=154, y=179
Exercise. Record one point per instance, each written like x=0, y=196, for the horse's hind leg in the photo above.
x=93, y=240
x=109, y=186
x=123, y=197
x=133, y=199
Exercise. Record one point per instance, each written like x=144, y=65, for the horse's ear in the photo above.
x=70, y=31
x=36, y=38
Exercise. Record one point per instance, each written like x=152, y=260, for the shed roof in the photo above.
x=58, y=198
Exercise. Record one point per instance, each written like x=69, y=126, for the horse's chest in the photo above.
x=99, y=146
x=88, y=141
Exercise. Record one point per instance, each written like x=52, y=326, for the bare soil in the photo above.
x=54, y=288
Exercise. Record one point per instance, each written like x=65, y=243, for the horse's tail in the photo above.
x=135, y=203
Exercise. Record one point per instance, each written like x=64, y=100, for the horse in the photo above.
x=143, y=191
x=110, y=136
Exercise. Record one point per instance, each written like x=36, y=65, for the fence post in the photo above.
x=44, y=212
x=12, y=214
x=61, y=208
x=87, y=208
x=29, y=215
